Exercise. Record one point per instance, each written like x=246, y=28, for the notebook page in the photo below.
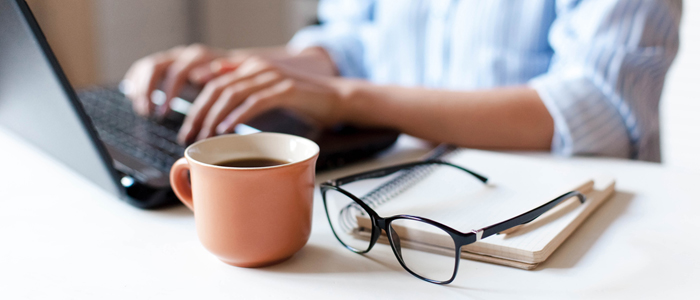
x=516, y=184
x=544, y=234
x=534, y=242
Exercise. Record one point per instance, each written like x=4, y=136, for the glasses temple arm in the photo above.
x=393, y=169
x=530, y=215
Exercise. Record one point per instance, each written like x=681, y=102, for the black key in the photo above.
x=119, y=127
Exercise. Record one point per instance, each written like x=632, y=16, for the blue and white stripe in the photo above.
x=598, y=65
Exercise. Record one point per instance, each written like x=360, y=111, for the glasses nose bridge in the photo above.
x=380, y=222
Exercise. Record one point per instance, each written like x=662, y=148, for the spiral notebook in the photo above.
x=516, y=185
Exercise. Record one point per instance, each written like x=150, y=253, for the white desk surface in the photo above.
x=61, y=237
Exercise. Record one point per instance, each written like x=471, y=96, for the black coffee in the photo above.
x=251, y=162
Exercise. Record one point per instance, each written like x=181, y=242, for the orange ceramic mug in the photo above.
x=252, y=216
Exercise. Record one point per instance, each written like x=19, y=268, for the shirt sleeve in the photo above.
x=606, y=75
x=339, y=34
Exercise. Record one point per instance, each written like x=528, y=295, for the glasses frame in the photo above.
x=460, y=238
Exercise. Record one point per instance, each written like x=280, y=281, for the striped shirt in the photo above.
x=598, y=65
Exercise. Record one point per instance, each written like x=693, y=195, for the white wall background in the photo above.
x=129, y=29
x=245, y=23
x=680, y=103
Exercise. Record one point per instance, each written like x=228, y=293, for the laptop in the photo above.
x=96, y=133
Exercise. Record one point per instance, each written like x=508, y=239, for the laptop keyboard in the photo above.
x=152, y=143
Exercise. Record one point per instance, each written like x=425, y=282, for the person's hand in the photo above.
x=257, y=85
x=172, y=69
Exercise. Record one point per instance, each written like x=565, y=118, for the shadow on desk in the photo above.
x=175, y=211
x=318, y=259
x=581, y=241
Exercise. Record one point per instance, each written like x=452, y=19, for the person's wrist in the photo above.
x=347, y=91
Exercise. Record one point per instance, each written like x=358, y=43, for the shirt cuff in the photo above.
x=585, y=122
x=343, y=47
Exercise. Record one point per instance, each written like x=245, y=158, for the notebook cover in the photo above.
x=568, y=215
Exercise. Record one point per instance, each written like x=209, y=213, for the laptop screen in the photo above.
x=38, y=103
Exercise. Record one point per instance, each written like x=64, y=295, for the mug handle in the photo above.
x=180, y=182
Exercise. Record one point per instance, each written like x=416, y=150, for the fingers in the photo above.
x=201, y=106
x=256, y=104
x=202, y=74
x=228, y=62
x=144, y=75
x=178, y=72
x=142, y=82
x=232, y=97
x=212, y=92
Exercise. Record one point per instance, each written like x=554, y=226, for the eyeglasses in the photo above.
x=358, y=227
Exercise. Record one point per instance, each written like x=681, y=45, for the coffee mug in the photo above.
x=249, y=216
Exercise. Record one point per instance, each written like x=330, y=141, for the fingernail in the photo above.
x=126, y=87
x=224, y=125
x=221, y=129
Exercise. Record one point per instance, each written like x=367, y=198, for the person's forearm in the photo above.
x=504, y=118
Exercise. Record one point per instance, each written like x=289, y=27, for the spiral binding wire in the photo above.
x=391, y=189
x=396, y=186
x=407, y=179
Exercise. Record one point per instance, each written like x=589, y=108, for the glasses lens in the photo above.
x=410, y=238
x=350, y=222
